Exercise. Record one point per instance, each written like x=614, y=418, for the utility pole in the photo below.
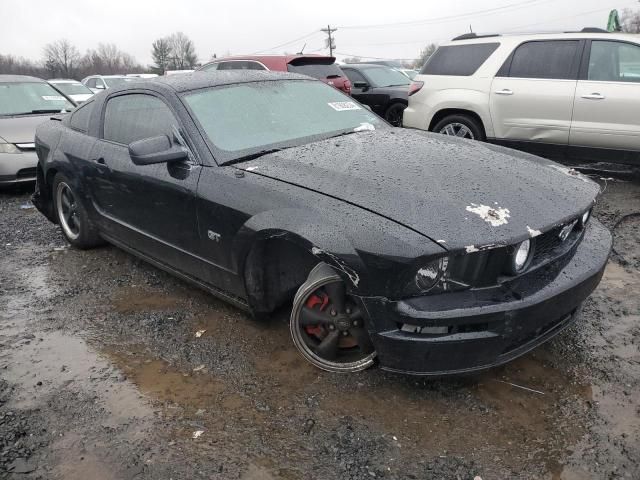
x=330, y=41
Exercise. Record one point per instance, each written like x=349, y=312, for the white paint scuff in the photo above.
x=496, y=216
x=533, y=233
x=339, y=264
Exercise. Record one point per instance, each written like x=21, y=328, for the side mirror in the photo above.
x=361, y=85
x=99, y=86
x=149, y=151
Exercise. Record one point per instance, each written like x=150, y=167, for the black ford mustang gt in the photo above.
x=435, y=255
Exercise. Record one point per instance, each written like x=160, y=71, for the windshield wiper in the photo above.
x=252, y=156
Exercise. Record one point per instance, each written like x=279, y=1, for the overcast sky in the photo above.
x=247, y=26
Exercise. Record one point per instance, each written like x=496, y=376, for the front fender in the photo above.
x=311, y=232
x=368, y=251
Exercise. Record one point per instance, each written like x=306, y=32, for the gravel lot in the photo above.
x=102, y=376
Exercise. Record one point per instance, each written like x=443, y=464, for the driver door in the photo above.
x=150, y=208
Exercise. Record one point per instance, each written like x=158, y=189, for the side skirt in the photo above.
x=222, y=295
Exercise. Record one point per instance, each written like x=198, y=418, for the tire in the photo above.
x=328, y=327
x=393, y=115
x=459, y=125
x=71, y=214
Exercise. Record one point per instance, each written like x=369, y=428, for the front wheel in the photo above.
x=72, y=216
x=327, y=325
x=461, y=126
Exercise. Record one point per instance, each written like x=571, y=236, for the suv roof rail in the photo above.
x=469, y=36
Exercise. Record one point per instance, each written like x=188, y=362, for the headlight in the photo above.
x=9, y=148
x=585, y=218
x=520, y=257
x=429, y=274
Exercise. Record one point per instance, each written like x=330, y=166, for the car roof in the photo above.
x=20, y=78
x=287, y=58
x=362, y=65
x=516, y=38
x=200, y=79
x=63, y=80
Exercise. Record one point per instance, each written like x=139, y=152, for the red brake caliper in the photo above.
x=320, y=301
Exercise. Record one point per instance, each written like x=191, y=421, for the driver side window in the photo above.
x=133, y=117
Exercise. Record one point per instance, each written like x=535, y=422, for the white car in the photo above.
x=72, y=89
x=568, y=95
x=98, y=83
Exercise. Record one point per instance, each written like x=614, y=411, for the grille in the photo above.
x=550, y=245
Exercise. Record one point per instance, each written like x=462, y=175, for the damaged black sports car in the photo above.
x=425, y=253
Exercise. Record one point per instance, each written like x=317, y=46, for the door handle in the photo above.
x=504, y=91
x=594, y=96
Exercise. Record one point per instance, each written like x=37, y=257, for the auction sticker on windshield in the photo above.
x=340, y=106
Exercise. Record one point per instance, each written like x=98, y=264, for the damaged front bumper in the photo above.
x=460, y=332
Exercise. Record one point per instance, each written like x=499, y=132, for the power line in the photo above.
x=304, y=37
x=427, y=21
x=601, y=9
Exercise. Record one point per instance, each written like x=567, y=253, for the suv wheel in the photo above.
x=462, y=126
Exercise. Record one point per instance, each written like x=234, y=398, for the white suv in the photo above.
x=568, y=95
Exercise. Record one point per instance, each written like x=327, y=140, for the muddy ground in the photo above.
x=102, y=376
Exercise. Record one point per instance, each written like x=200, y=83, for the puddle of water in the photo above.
x=51, y=361
x=140, y=299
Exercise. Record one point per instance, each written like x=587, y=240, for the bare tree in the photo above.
x=425, y=53
x=61, y=58
x=630, y=21
x=183, y=52
x=11, y=65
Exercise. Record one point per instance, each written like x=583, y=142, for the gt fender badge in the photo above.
x=213, y=236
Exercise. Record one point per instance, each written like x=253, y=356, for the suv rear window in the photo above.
x=316, y=68
x=459, y=60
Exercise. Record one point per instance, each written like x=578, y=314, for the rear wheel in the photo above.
x=327, y=325
x=461, y=126
x=72, y=216
x=393, y=115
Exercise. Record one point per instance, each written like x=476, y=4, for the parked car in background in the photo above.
x=98, y=83
x=396, y=65
x=316, y=66
x=382, y=88
x=72, y=89
x=142, y=75
x=418, y=250
x=25, y=102
x=568, y=95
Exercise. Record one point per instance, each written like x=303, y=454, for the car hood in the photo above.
x=460, y=193
x=21, y=129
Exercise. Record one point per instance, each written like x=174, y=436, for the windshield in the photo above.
x=73, y=88
x=31, y=97
x=410, y=73
x=115, y=81
x=385, y=77
x=246, y=118
x=317, y=70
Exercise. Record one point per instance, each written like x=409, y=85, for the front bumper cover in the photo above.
x=488, y=327
x=18, y=167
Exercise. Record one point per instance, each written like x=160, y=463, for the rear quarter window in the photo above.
x=459, y=60
x=80, y=118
